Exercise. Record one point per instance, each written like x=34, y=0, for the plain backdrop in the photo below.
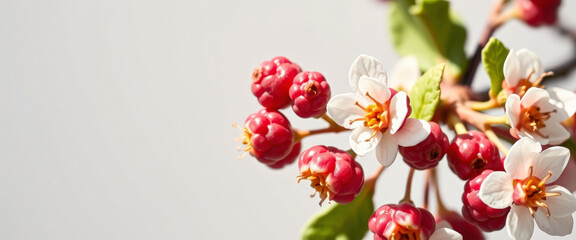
x=116, y=115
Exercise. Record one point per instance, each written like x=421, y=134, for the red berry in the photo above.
x=268, y=136
x=538, y=12
x=468, y=230
x=471, y=153
x=333, y=173
x=403, y=221
x=271, y=82
x=288, y=159
x=309, y=94
x=428, y=153
x=476, y=211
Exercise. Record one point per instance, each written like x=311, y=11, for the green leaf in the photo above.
x=425, y=94
x=571, y=145
x=493, y=56
x=342, y=221
x=428, y=30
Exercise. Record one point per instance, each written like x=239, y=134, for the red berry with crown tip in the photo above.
x=428, y=153
x=333, y=173
x=468, y=230
x=309, y=93
x=538, y=12
x=268, y=136
x=402, y=221
x=271, y=82
x=292, y=156
x=474, y=210
x=471, y=153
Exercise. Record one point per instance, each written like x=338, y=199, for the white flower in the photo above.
x=538, y=116
x=522, y=70
x=405, y=73
x=378, y=115
x=444, y=231
x=524, y=188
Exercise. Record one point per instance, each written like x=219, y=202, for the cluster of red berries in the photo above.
x=270, y=138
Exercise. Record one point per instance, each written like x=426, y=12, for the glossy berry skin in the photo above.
x=309, y=94
x=468, y=230
x=471, y=153
x=538, y=12
x=268, y=136
x=402, y=221
x=428, y=153
x=271, y=82
x=474, y=210
x=333, y=173
x=292, y=156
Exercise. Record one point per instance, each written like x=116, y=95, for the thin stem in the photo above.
x=427, y=189
x=333, y=127
x=370, y=182
x=408, y=187
x=495, y=140
x=490, y=120
x=441, y=207
x=458, y=126
x=495, y=20
x=481, y=106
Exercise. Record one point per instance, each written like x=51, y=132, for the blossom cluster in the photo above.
x=407, y=115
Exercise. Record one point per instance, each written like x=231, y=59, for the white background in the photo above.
x=116, y=115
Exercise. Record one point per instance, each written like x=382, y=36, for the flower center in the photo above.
x=532, y=119
x=377, y=116
x=245, y=139
x=318, y=182
x=405, y=234
x=310, y=89
x=531, y=192
x=524, y=84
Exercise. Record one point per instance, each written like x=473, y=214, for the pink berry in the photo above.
x=271, y=82
x=468, y=230
x=309, y=93
x=333, y=173
x=474, y=210
x=268, y=136
x=471, y=153
x=403, y=221
x=538, y=12
x=428, y=153
x=288, y=159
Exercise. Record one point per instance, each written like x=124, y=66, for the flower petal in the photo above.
x=387, y=150
x=369, y=66
x=377, y=90
x=362, y=142
x=553, y=159
x=528, y=62
x=519, y=223
x=555, y=132
x=443, y=224
x=533, y=96
x=405, y=73
x=555, y=226
x=445, y=234
x=564, y=100
x=399, y=109
x=513, y=109
x=520, y=156
x=496, y=190
x=563, y=205
x=512, y=69
x=413, y=132
x=343, y=111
